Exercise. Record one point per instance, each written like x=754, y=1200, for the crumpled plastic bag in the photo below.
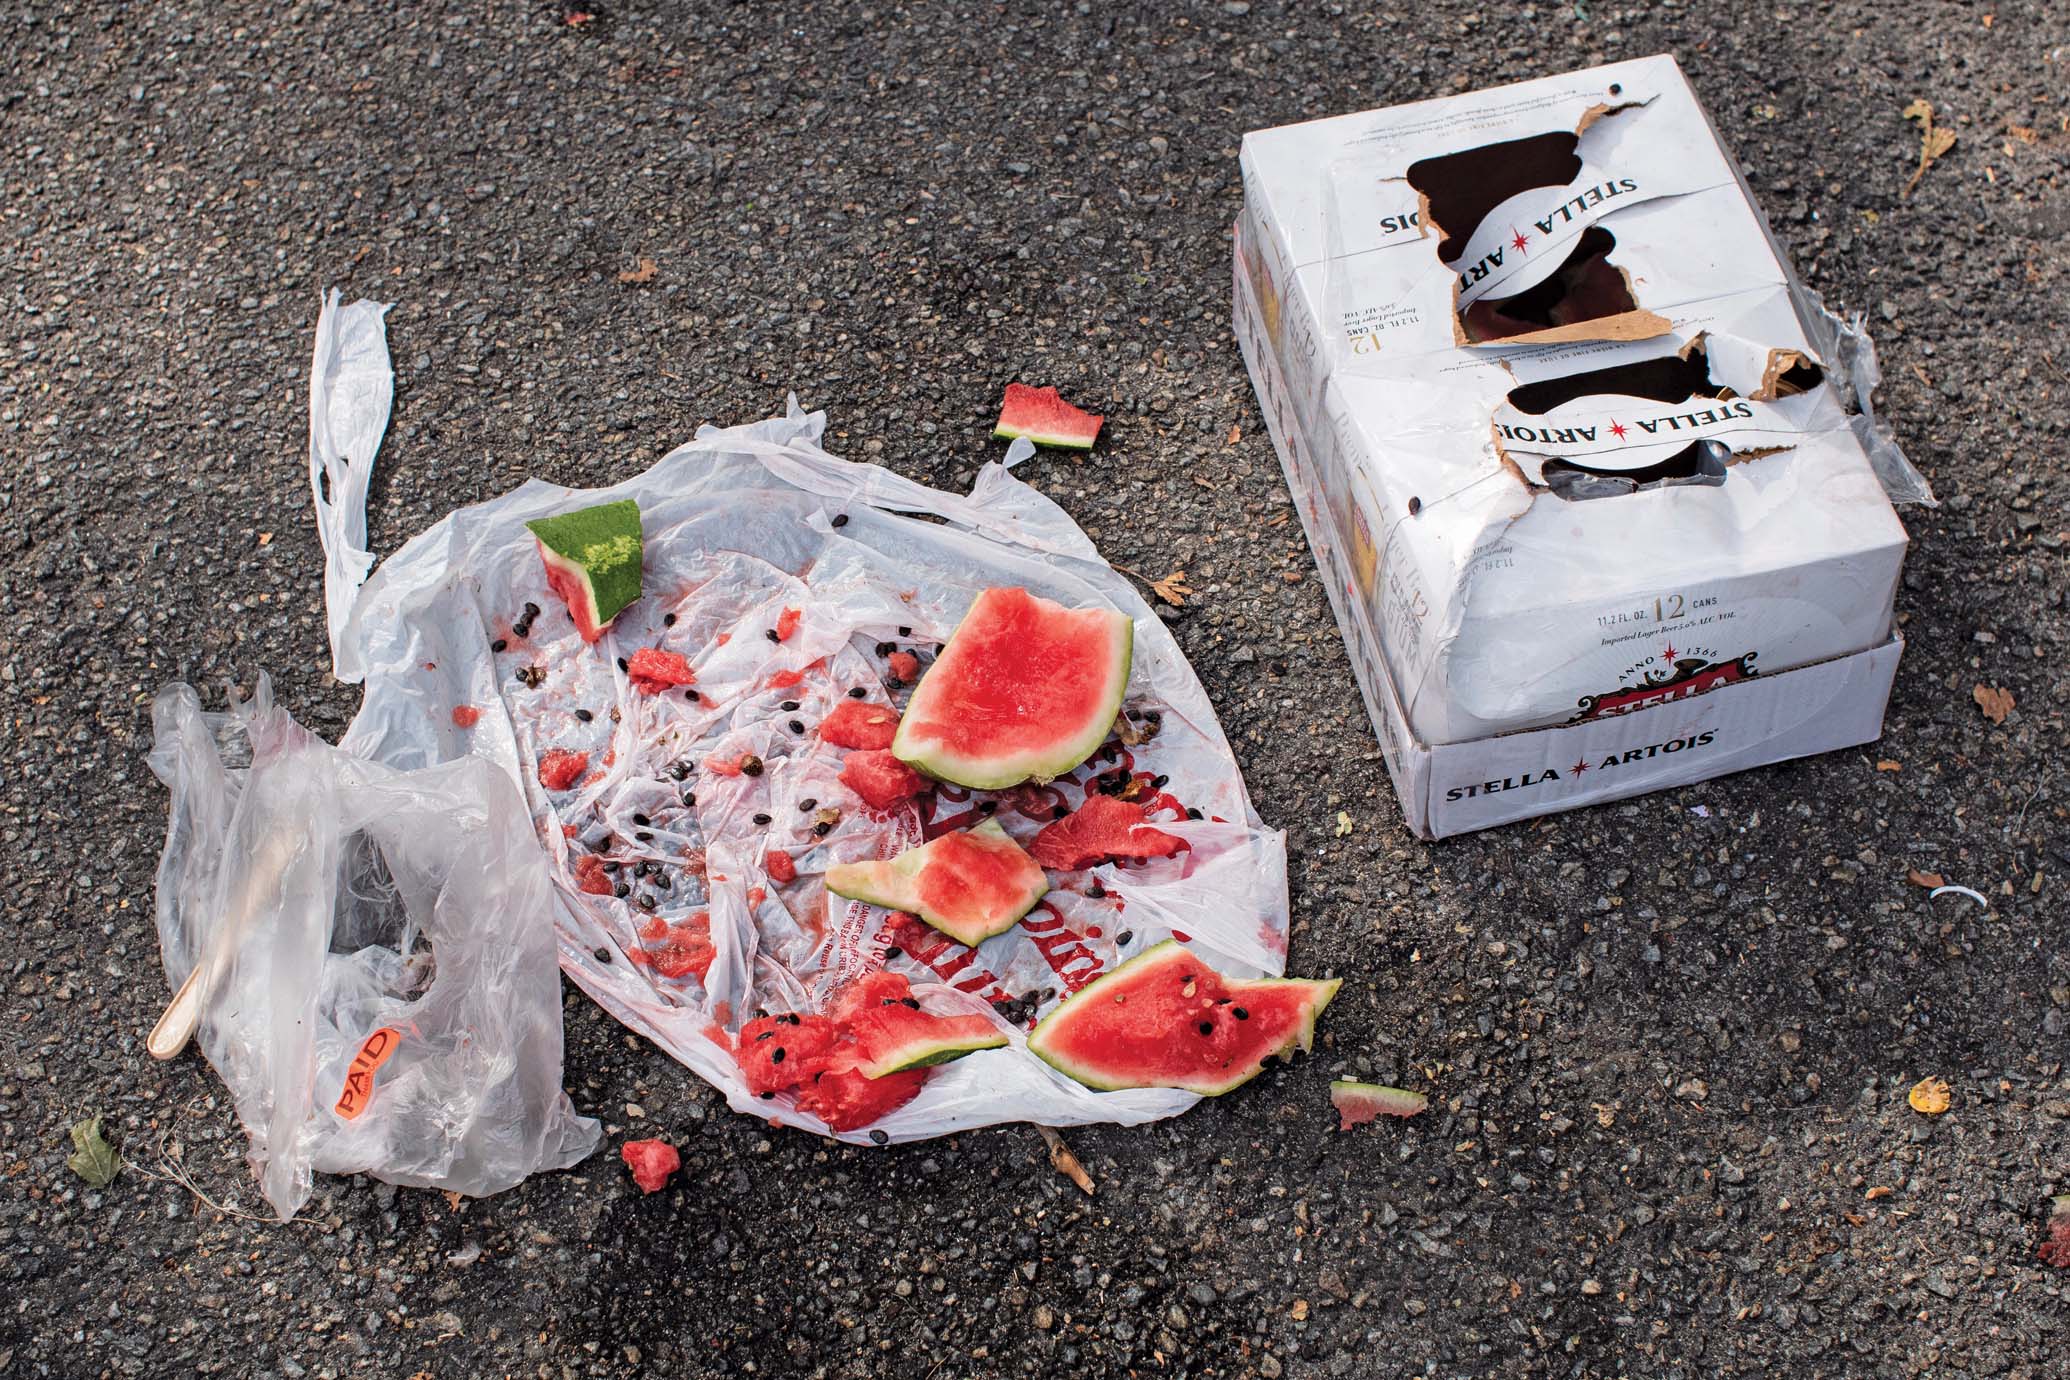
x=377, y=985
x=689, y=934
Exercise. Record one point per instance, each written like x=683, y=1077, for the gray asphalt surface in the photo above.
x=1672, y=1049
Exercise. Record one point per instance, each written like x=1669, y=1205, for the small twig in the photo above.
x=1064, y=1162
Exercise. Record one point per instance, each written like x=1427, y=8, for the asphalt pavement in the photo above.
x=1670, y=1039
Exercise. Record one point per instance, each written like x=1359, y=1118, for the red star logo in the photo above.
x=1669, y=655
x=1579, y=767
x=1519, y=241
x=1617, y=430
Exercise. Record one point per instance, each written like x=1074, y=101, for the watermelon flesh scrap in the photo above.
x=970, y=885
x=892, y=1034
x=777, y=1053
x=1042, y=415
x=592, y=559
x=880, y=778
x=1101, y=829
x=1164, y=1019
x=845, y=1098
x=860, y=724
x=1358, y=1103
x=1025, y=689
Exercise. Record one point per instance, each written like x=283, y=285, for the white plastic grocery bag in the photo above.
x=372, y=951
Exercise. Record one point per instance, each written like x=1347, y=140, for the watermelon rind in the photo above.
x=936, y=695
x=1144, y=968
x=1358, y=1103
x=925, y=1051
x=1041, y=414
x=597, y=552
x=895, y=885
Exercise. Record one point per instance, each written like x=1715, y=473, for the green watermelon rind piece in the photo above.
x=925, y=1052
x=1108, y=984
x=998, y=773
x=597, y=550
x=893, y=884
x=1377, y=1099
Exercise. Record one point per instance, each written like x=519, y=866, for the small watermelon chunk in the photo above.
x=880, y=778
x=1103, y=828
x=560, y=768
x=1164, y=1019
x=892, y=1034
x=970, y=885
x=592, y=558
x=860, y=724
x=780, y=866
x=845, y=1098
x=1358, y=1103
x=1042, y=415
x=1025, y=689
x=777, y=1053
x=651, y=1162
x=652, y=671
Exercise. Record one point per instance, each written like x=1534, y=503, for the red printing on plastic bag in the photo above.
x=359, y=1079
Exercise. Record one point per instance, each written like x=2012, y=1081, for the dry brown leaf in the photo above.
x=1299, y=1312
x=1886, y=764
x=453, y=1201
x=1235, y=433
x=1879, y=1191
x=1929, y=1096
x=643, y=274
x=1064, y=1162
x=1995, y=703
x=1933, y=141
x=1173, y=588
x=265, y=537
x=1925, y=879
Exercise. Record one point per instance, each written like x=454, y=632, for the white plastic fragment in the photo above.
x=1976, y=896
x=351, y=387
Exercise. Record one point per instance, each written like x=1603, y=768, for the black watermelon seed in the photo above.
x=668, y=620
x=770, y=633
x=822, y=829
x=1158, y=783
x=499, y=645
x=642, y=820
x=892, y=952
x=1193, y=812
x=910, y=1001
x=1241, y=1014
x=642, y=869
x=986, y=807
x=880, y=1137
x=621, y=663
x=765, y=1035
x=621, y=891
x=1207, y=1027
x=603, y=955
x=751, y=765
x=531, y=610
x=1059, y=812
x=761, y=818
x=584, y=715
x=808, y=803
x=643, y=836
x=894, y=683
x=678, y=770
x=610, y=867
x=776, y=1055
x=769, y=1097
x=840, y=519
x=857, y=693
x=886, y=648
x=788, y=705
x=1096, y=891
x=645, y=902
x=797, y=727
x=690, y=800
x=1124, y=937
x=662, y=883
x=905, y=632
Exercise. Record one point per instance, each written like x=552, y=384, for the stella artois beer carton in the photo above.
x=1586, y=469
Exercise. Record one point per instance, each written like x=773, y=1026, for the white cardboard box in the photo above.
x=1520, y=651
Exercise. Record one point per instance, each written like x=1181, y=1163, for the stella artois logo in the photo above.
x=1672, y=674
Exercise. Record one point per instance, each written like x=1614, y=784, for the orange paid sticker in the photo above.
x=359, y=1079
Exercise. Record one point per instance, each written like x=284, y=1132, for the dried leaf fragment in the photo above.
x=1929, y=1096
x=1925, y=879
x=92, y=1158
x=1299, y=1312
x=1886, y=764
x=1064, y=1162
x=1173, y=588
x=1879, y=1191
x=1236, y=432
x=1344, y=825
x=1995, y=703
x=642, y=274
x=1933, y=141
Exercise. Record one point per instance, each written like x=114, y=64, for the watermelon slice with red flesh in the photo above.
x=1164, y=1019
x=880, y=778
x=1025, y=689
x=592, y=558
x=777, y=1053
x=892, y=1033
x=845, y=1098
x=970, y=885
x=1042, y=415
x=1101, y=829
x=1358, y=1103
